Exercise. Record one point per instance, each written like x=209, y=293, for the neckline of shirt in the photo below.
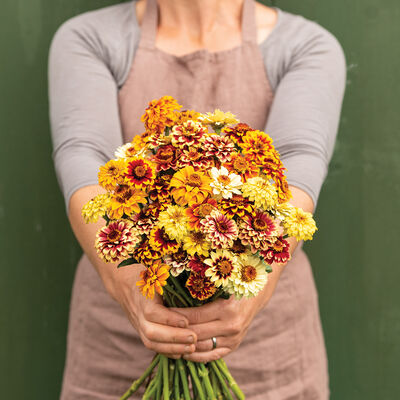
x=212, y=54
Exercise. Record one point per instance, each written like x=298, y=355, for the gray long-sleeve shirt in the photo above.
x=89, y=61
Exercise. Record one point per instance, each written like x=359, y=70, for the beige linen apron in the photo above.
x=283, y=355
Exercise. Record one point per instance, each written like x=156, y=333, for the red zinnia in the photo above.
x=200, y=287
x=140, y=172
x=278, y=252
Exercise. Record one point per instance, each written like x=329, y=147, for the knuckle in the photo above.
x=148, y=331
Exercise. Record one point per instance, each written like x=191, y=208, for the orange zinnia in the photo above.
x=159, y=114
x=190, y=186
x=125, y=200
x=153, y=279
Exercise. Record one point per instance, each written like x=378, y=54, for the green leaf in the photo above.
x=268, y=268
x=128, y=261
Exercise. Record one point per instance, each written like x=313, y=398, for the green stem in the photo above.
x=171, y=369
x=159, y=381
x=182, y=374
x=215, y=384
x=165, y=373
x=225, y=389
x=172, y=291
x=176, y=384
x=136, y=384
x=196, y=380
x=204, y=374
x=179, y=288
x=150, y=390
x=232, y=383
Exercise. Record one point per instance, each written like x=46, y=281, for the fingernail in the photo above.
x=188, y=349
x=182, y=324
x=190, y=339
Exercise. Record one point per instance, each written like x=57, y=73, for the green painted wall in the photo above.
x=354, y=253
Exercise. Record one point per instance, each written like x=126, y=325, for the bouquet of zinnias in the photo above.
x=204, y=206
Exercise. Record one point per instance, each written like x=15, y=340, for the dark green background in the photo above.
x=354, y=254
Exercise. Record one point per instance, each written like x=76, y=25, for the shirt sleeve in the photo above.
x=83, y=101
x=305, y=112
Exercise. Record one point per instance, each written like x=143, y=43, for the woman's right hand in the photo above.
x=161, y=329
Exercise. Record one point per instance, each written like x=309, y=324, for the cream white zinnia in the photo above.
x=250, y=278
x=225, y=183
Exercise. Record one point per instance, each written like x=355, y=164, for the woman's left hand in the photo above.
x=226, y=320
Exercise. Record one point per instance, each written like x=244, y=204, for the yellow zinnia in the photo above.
x=96, y=208
x=153, y=279
x=300, y=224
x=260, y=191
x=190, y=186
x=218, y=119
x=112, y=174
x=174, y=221
x=126, y=200
x=196, y=243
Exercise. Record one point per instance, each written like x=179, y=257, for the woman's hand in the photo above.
x=226, y=320
x=160, y=328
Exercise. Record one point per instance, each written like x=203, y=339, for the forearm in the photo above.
x=300, y=199
x=86, y=235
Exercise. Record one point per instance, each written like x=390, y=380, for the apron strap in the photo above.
x=150, y=23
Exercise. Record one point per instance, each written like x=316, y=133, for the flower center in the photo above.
x=194, y=180
x=204, y=209
x=249, y=273
x=198, y=237
x=222, y=227
x=140, y=171
x=224, y=179
x=225, y=267
x=165, y=155
x=240, y=165
x=114, y=235
x=260, y=224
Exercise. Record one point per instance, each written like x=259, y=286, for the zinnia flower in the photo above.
x=225, y=183
x=223, y=265
x=195, y=156
x=189, y=134
x=277, y=252
x=256, y=145
x=237, y=132
x=220, y=230
x=260, y=191
x=250, y=278
x=160, y=114
x=236, y=206
x=145, y=254
x=186, y=115
x=165, y=157
x=218, y=119
x=178, y=262
x=258, y=231
x=174, y=221
x=125, y=151
x=196, y=264
x=196, y=243
x=219, y=146
x=159, y=190
x=190, y=186
x=300, y=224
x=125, y=200
x=243, y=166
x=140, y=172
x=116, y=240
x=153, y=278
x=96, y=208
x=200, y=287
x=112, y=174
x=197, y=212
x=161, y=242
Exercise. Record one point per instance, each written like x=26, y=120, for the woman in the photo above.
x=278, y=72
